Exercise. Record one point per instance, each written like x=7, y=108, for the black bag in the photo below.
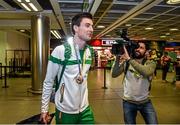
x=35, y=119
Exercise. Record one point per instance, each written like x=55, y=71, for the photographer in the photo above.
x=137, y=81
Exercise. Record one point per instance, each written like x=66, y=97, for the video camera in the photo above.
x=117, y=46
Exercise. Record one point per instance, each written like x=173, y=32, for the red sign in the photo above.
x=96, y=42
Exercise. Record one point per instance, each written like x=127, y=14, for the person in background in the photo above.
x=165, y=62
x=178, y=69
x=71, y=98
x=153, y=56
x=137, y=81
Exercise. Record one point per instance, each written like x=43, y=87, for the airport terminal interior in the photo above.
x=18, y=104
x=31, y=29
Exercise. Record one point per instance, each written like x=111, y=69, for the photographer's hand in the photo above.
x=125, y=56
x=117, y=67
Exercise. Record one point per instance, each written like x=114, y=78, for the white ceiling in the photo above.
x=113, y=14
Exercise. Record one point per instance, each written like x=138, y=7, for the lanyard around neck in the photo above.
x=78, y=57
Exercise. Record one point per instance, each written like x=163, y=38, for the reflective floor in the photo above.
x=17, y=104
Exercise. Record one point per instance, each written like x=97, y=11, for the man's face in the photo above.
x=85, y=30
x=140, y=52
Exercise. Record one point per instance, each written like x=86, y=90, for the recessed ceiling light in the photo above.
x=56, y=34
x=171, y=39
x=22, y=30
x=173, y=1
x=33, y=7
x=149, y=28
x=27, y=1
x=128, y=24
x=167, y=34
x=162, y=36
x=19, y=1
x=100, y=26
x=173, y=29
x=25, y=6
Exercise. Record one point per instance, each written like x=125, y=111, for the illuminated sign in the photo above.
x=107, y=42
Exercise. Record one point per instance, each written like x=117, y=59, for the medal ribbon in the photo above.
x=78, y=57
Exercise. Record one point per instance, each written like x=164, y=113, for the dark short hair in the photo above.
x=76, y=20
x=146, y=44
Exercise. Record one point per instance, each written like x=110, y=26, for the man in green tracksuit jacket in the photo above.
x=71, y=98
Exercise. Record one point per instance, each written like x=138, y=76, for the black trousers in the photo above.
x=164, y=71
x=177, y=73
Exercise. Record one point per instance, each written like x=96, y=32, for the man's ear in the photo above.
x=75, y=27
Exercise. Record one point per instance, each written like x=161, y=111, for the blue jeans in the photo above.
x=146, y=109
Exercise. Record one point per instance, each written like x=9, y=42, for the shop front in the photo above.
x=102, y=53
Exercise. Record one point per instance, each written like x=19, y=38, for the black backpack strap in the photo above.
x=144, y=61
x=126, y=67
x=67, y=55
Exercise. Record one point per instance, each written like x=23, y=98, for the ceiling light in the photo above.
x=167, y=34
x=53, y=33
x=162, y=36
x=33, y=7
x=149, y=28
x=29, y=5
x=56, y=34
x=173, y=1
x=100, y=26
x=128, y=24
x=27, y=1
x=26, y=7
x=173, y=29
x=22, y=30
x=171, y=39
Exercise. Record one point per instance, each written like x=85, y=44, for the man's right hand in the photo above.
x=124, y=57
x=45, y=117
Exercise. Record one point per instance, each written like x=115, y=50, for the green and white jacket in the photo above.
x=75, y=96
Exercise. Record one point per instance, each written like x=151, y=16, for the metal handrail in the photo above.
x=5, y=73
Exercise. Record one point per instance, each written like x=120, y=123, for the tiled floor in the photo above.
x=17, y=104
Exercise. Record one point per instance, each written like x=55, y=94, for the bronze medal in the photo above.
x=79, y=79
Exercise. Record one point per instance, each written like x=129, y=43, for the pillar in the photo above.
x=40, y=39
